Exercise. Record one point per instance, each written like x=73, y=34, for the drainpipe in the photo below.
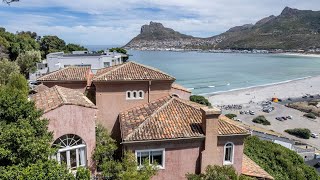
x=149, y=87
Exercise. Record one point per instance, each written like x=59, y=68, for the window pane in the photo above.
x=63, y=158
x=138, y=158
x=140, y=94
x=82, y=157
x=156, y=157
x=134, y=94
x=128, y=95
x=73, y=161
x=144, y=157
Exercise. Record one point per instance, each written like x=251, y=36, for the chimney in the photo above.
x=210, y=123
x=89, y=77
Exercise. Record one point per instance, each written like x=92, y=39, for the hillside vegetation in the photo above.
x=278, y=161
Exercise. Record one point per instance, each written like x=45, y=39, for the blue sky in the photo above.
x=106, y=22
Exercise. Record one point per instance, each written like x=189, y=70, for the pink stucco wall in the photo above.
x=72, y=119
x=111, y=100
x=181, y=157
x=180, y=93
x=238, y=149
x=81, y=85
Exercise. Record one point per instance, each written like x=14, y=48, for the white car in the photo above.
x=314, y=135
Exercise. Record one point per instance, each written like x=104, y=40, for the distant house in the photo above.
x=149, y=115
x=60, y=60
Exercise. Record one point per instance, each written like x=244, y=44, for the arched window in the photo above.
x=141, y=94
x=228, y=153
x=134, y=94
x=129, y=95
x=71, y=151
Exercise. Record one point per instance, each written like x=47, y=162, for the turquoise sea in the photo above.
x=206, y=73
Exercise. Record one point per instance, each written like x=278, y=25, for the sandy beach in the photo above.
x=292, y=89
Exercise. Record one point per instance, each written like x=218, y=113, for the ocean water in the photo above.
x=207, y=73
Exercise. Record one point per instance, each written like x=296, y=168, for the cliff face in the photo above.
x=292, y=29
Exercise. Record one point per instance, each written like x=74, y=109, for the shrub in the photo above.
x=261, y=120
x=83, y=173
x=231, y=116
x=310, y=115
x=313, y=103
x=299, y=132
x=200, y=99
x=280, y=162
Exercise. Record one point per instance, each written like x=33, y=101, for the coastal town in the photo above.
x=237, y=99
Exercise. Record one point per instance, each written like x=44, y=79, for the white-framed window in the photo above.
x=106, y=64
x=228, y=153
x=71, y=151
x=154, y=156
x=134, y=95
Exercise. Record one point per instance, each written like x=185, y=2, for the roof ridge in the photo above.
x=153, y=68
x=56, y=71
x=152, y=115
x=111, y=70
x=64, y=99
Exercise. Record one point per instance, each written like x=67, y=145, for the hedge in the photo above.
x=299, y=132
x=261, y=120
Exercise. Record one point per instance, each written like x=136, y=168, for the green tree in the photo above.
x=119, y=50
x=280, y=162
x=49, y=44
x=7, y=68
x=200, y=99
x=27, y=62
x=261, y=120
x=111, y=168
x=215, y=172
x=25, y=140
x=74, y=47
x=19, y=82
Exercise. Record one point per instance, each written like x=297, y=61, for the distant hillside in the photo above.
x=292, y=29
x=155, y=35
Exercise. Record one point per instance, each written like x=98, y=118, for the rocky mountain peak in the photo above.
x=287, y=11
x=153, y=26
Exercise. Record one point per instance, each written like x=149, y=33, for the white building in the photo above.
x=59, y=60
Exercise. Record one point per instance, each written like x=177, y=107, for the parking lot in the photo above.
x=297, y=120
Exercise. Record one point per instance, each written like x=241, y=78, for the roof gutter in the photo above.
x=162, y=140
x=224, y=135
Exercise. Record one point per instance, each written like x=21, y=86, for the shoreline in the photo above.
x=257, y=86
x=291, y=88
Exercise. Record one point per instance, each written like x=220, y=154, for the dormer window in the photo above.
x=132, y=95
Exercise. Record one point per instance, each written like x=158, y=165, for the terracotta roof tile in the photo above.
x=250, y=168
x=57, y=96
x=168, y=118
x=179, y=87
x=40, y=88
x=130, y=71
x=71, y=73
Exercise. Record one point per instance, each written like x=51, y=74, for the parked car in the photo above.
x=289, y=117
x=241, y=112
x=314, y=135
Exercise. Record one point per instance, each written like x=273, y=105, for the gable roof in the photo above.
x=57, y=96
x=130, y=71
x=168, y=118
x=250, y=168
x=71, y=73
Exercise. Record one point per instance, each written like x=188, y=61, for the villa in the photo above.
x=147, y=113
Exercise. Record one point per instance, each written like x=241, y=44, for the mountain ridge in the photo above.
x=291, y=29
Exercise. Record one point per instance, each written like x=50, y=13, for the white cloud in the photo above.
x=116, y=22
